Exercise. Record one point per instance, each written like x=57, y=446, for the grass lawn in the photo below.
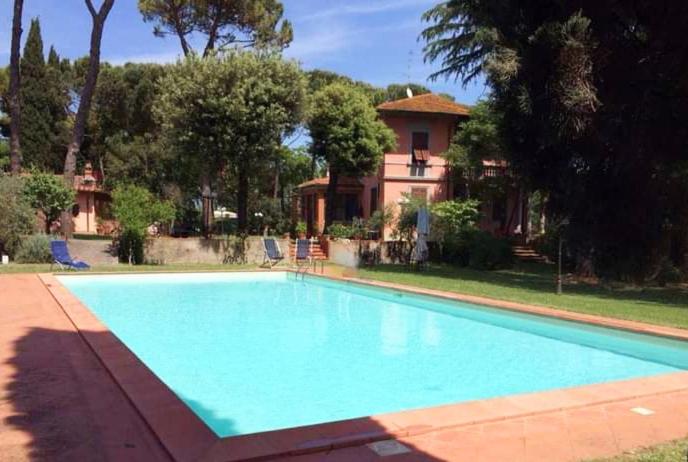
x=671, y=452
x=45, y=268
x=535, y=284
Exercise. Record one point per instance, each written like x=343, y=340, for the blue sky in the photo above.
x=371, y=40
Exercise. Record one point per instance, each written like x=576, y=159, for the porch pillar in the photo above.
x=320, y=212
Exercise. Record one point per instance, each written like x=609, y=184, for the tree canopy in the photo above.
x=227, y=116
x=347, y=134
x=47, y=192
x=592, y=112
x=222, y=22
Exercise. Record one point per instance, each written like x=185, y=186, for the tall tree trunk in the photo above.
x=330, y=199
x=98, y=18
x=242, y=200
x=206, y=204
x=15, y=108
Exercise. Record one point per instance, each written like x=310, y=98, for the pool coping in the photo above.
x=186, y=437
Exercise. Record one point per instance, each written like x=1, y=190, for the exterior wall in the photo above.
x=88, y=220
x=395, y=173
x=369, y=183
x=343, y=252
x=440, y=127
x=166, y=250
x=85, y=221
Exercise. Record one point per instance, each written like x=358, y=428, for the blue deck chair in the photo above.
x=62, y=258
x=303, y=255
x=272, y=252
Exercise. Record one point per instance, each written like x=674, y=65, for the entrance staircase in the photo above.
x=526, y=253
x=316, y=251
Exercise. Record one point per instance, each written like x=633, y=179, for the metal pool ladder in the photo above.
x=304, y=269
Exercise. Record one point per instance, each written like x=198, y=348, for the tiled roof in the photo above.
x=426, y=103
x=324, y=181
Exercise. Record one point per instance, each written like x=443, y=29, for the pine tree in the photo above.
x=36, y=131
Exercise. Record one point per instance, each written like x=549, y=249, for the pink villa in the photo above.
x=90, y=213
x=424, y=126
x=91, y=210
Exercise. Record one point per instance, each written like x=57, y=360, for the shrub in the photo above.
x=452, y=224
x=130, y=247
x=17, y=218
x=455, y=249
x=381, y=218
x=487, y=252
x=453, y=217
x=668, y=273
x=407, y=218
x=136, y=208
x=34, y=249
x=340, y=231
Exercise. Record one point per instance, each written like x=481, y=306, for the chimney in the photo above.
x=88, y=173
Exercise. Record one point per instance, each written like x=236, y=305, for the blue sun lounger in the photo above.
x=303, y=255
x=272, y=252
x=62, y=258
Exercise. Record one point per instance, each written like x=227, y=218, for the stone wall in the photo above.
x=354, y=253
x=166, y=250
x=344, y=252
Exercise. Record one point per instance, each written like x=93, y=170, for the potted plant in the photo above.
x=301, y=229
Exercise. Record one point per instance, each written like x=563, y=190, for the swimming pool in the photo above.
x=251, y=352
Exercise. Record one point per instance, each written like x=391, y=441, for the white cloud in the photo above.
x=333, y=38
x=371, y=7
x=318, y=42
x=159, y=58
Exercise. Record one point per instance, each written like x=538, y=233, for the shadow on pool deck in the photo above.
x=59, y=403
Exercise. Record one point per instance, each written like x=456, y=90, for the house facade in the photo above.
x=424, y=126
x=91, y=210
x=90, y=213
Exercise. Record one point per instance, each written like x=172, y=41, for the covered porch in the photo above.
x=311, y=197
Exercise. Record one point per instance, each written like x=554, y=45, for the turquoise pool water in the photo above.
x=250, y=352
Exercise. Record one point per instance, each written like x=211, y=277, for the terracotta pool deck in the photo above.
x=72, y=391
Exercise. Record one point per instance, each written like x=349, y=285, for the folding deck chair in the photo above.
x=272, y=252
x=62, y=258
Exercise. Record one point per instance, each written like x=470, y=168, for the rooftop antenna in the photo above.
x=409, y=93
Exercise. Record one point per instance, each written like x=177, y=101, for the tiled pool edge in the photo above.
x=186, y=437
x=179, y=430
x=613, y=323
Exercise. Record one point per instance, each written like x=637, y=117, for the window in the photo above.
x=420, y=153
x=373, y=200
x=346, y=207
x=419, y=193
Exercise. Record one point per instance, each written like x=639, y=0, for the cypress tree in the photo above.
x=37, y=120
x=58, y=99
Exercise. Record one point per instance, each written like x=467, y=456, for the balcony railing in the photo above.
x=492, y=171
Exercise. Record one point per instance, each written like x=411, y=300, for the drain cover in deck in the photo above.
x=388, y=448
